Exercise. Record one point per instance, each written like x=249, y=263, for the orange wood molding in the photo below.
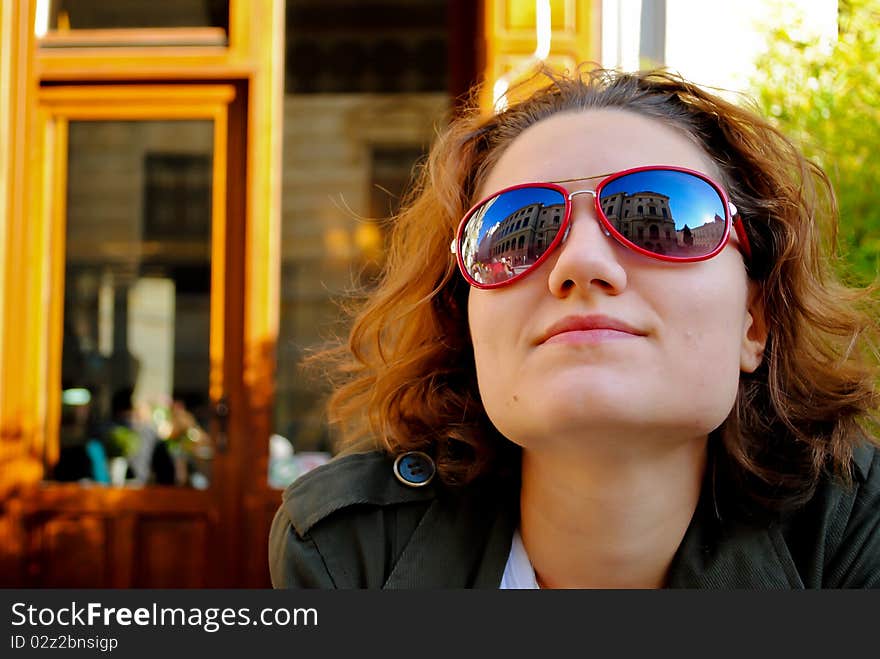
x=20, y=420
x=173, y=37
x=510, y=27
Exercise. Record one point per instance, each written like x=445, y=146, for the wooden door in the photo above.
x=141, y=218
x=198, y=86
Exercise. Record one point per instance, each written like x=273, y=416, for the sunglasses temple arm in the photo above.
x=740, y=229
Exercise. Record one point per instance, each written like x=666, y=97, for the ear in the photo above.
x=755, y=331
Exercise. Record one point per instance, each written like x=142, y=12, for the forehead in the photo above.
x=590, y=143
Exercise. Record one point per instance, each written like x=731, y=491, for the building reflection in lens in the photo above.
x=645, y=219
x=510, y=245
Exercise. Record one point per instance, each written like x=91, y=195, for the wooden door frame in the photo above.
x=59, y=105
x=252, y=62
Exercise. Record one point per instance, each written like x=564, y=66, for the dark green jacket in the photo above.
x=352, y=524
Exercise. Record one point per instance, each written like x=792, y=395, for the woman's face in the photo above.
x=691, y=328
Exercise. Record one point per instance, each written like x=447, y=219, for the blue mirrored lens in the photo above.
x=666, y=212
x=508, y=233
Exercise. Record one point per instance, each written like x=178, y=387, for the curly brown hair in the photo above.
x=406, y=379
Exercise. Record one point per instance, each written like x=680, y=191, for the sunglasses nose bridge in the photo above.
x=571, y=196
x=592, y=193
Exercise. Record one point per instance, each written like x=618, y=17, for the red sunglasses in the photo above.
x=668, y=213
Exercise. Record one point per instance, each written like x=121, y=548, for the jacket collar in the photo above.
x=730, y=552
x=742, y=558
x=723, y=549
x=461, y=540
x=467, y=540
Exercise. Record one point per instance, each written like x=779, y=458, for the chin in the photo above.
x=563, y=416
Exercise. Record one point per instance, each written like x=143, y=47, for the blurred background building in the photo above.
x=187, y=190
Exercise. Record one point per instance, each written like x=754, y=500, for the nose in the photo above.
x=587, y=260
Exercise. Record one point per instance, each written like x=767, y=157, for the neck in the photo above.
x=603, y=521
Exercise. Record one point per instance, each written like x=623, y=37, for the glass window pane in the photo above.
x=350, y=47
x=366, y=86
x=135, y=360
x=136, y=23
x=66, y=15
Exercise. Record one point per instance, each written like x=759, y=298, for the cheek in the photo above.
x=487, y=335
x=705, y=344
x=493, y=320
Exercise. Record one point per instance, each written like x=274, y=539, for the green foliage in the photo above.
x=121, y=441
x=827, y=99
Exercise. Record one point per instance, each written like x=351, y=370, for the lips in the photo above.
x=586, y=324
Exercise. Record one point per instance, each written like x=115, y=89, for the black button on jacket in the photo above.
x=353, y=524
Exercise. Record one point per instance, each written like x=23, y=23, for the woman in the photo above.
x=664, y=387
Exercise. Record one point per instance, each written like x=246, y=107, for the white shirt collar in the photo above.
x=518, y=572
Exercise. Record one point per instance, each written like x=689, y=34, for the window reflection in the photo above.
x=64, y=15
x=365, y=89
x=137, y=304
